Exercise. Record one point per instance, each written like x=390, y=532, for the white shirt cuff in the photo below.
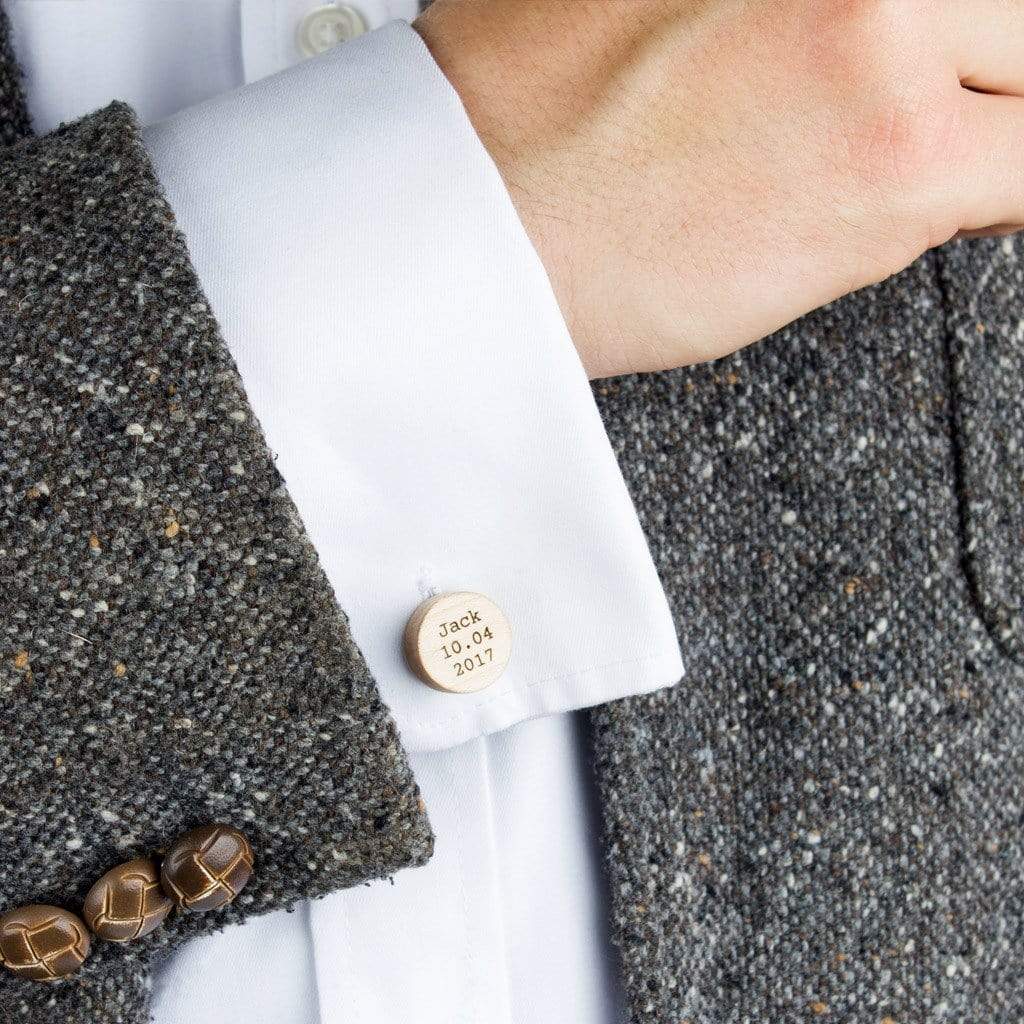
x=405, y=354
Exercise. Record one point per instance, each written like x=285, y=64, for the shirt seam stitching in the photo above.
x=561, y=677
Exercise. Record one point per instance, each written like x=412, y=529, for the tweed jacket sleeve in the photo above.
x=171, y=653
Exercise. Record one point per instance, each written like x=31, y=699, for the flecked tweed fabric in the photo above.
x=824, y=820
x=170, y=651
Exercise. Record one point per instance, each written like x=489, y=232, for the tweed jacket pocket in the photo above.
x=171, y=652
x=984, y=284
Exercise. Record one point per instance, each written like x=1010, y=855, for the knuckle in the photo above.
x=892, y=119
x=893, y=106
x=899, y=140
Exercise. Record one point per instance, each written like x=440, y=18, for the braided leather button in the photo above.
x=207, y=868
x=42, y=943
x=127, y=902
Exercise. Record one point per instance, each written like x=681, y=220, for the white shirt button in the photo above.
x=458, y=642
x=325, y=27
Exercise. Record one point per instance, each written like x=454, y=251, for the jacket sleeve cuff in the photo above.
x=172, y=653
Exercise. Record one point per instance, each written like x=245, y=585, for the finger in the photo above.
x=988, y=42
x=989, y=170
x=996, y=231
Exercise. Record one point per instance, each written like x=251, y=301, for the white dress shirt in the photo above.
x=404, y=352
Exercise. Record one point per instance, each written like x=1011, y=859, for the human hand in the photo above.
x=697, y=173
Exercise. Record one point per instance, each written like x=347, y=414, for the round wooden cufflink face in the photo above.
x=458, y=642
x=127, y=902
x=207, y=868
x=42, y=943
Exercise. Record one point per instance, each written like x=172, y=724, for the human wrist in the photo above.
x=523, y=87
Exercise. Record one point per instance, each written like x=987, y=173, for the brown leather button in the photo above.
x=207, y=868
x=42, y=943
x=127, y=902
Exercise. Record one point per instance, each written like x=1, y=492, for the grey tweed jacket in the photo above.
x=824, y=821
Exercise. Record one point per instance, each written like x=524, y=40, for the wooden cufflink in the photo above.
x=458, y=642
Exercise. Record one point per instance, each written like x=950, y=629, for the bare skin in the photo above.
x=697, y=173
